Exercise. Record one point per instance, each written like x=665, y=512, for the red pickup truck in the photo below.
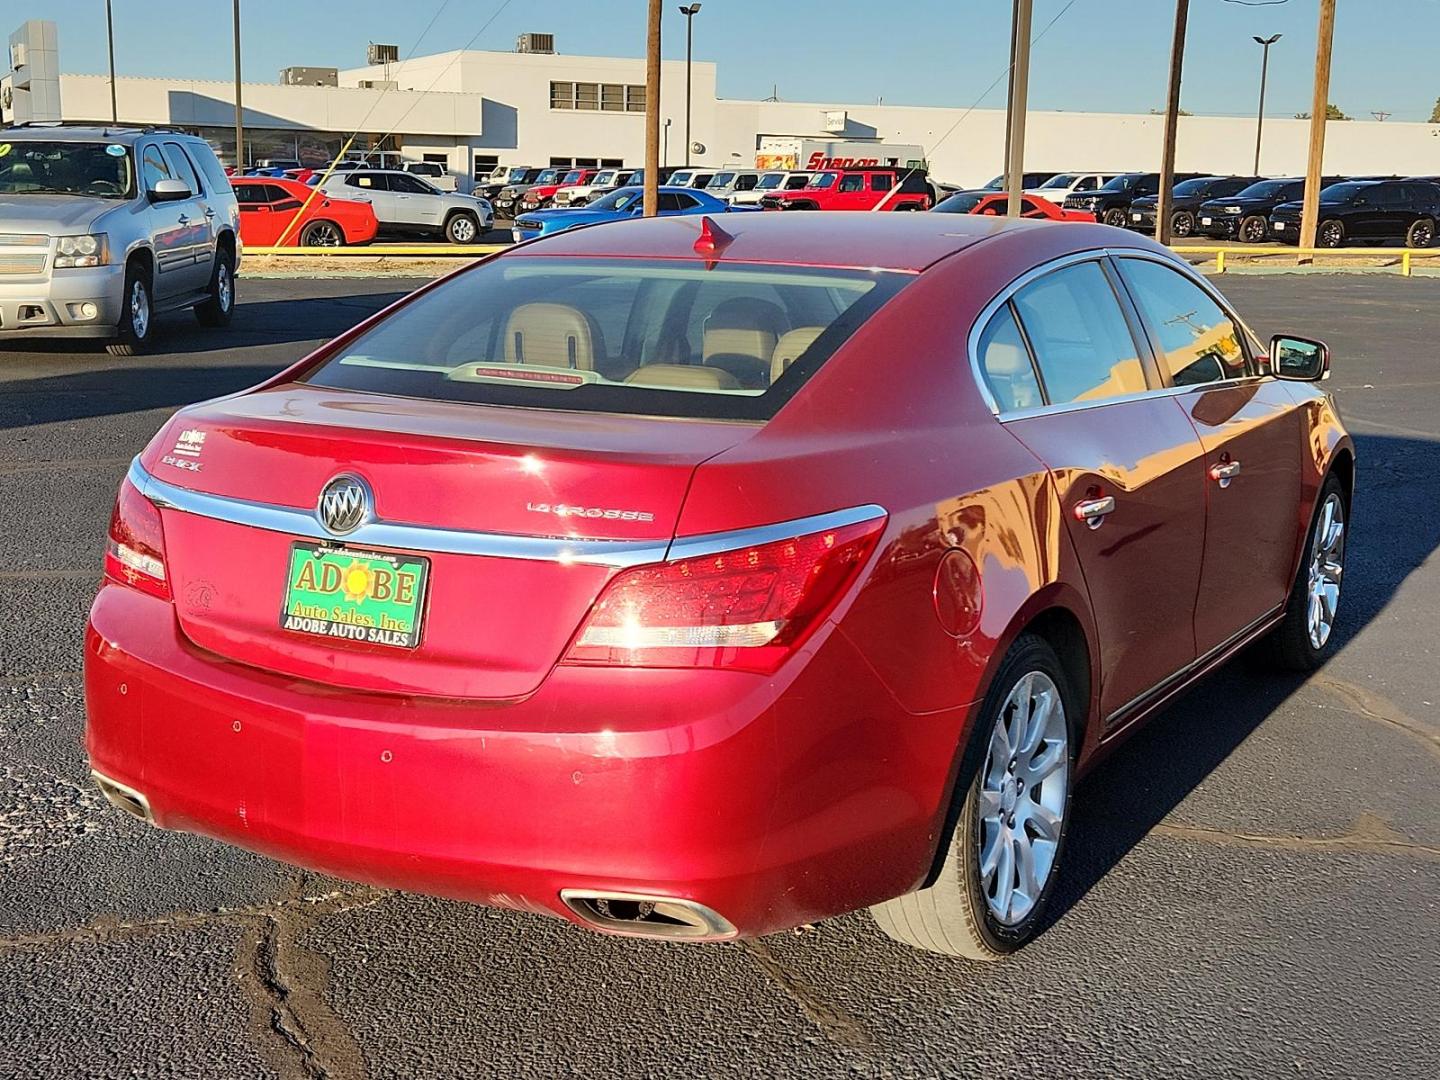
x=857, y=189
x=542, y=195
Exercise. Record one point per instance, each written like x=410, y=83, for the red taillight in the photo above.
x=135, y=554
x=745, y=608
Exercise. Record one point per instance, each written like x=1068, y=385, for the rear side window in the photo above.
x=1005, y=364
x=661, y=338
x=204, y=157
x=1199, y=343
x=1079, y=335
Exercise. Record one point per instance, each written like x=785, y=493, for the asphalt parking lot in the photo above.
x=1252, y=885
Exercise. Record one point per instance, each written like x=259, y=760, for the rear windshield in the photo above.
x=661, y=338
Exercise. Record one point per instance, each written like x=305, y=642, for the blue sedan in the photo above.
x=620, y=204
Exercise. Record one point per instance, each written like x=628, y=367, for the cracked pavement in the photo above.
x=1252, y=883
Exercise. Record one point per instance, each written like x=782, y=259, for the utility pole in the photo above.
x=110, y=39
x=1015, y=114
x=1172, y=123
x=239, y=122
x=652, y=112
x=1010, y=85
x=1265, y=44
x=1324, y=48
x=1381, y=115
x=689, y=11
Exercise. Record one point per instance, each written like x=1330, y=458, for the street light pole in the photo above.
x=110, y=39
x=239, y=123
x=689, y=11
x=1019, y=102
x=1265, y=43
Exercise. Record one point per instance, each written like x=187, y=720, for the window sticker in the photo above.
x=4, y=149
x=115, y=150
x=363, y=180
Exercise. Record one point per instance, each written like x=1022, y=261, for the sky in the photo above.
x=1099, y=55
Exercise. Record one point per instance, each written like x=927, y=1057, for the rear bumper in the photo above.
x=771, y=802
x=53, y=307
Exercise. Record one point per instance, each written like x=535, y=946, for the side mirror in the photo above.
x=169, y=190
x=1299, y=359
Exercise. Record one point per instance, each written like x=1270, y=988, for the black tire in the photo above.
x=322, y=234
x=952, y=915
x=462, y=227
x=1182, y=223
x=217, y=310
x=1290, y=647
x=137, y=323
x=1421, y=233
x=1115, y=216
x=1330, y=234
x=1253, y=229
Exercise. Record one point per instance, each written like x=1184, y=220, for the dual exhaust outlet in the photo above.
x=631, y=914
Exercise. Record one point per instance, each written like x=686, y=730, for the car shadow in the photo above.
x=1393, y=532
x=170, y=376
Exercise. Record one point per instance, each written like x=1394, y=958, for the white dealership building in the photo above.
x=473, y=109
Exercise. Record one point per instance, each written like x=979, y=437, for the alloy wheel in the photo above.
x=462, y=229
x=1327, y=567
x=324, y=234
x=224, y=287
x=1331, y=233
x=1022, y=798
x=139, y=310
x=1254, y=232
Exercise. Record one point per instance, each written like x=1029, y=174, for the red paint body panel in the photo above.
x=262, y=224
x=482, y=766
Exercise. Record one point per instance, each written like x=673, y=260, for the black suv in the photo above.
x=1111, y=203
x=1245, y=215
x=1185, y=200
x=1367, y=210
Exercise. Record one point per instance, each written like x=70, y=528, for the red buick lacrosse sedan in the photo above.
x=697, y=581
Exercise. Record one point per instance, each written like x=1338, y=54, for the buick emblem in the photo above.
x=345, y=505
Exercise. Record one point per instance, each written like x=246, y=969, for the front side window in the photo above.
x=1199, y=343
x=658, y=338
x=95, y=169
x=153, y=167
x=181, y=167
x=1081, y=342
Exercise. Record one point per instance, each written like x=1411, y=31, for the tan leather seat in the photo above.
x=740, y=337
x=683, y=377
x=791, y=347
x=554, y=335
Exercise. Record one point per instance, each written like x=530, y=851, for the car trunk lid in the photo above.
x=507, y=507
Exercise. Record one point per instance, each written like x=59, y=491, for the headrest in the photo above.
x=554, y=335
x=791, y=347
x=743, y=326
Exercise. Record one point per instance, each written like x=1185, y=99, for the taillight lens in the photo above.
x=743, y=609
x=135, y=555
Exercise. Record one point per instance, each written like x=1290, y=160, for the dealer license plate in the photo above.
x=1204, y=221
x=1279, y=226
x=1134, y=217
x=349, y=595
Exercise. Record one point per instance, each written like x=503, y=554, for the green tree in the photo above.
x=1334, y=112
x=1435, y=112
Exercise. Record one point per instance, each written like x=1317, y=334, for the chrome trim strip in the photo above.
x=1170, y=682
x=426, y=538
x=689, y=547
x=1092, y=255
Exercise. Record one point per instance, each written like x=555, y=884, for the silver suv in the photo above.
x=404, y=202
x=102, y=229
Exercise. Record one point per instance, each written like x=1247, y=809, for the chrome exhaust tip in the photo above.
x=643, y=915
x=123, y=797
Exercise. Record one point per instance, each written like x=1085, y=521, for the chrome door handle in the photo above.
x=1225, y=471
x=1093, y=511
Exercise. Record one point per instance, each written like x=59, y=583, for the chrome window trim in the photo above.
x=1098, y=255
x=423, y=539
